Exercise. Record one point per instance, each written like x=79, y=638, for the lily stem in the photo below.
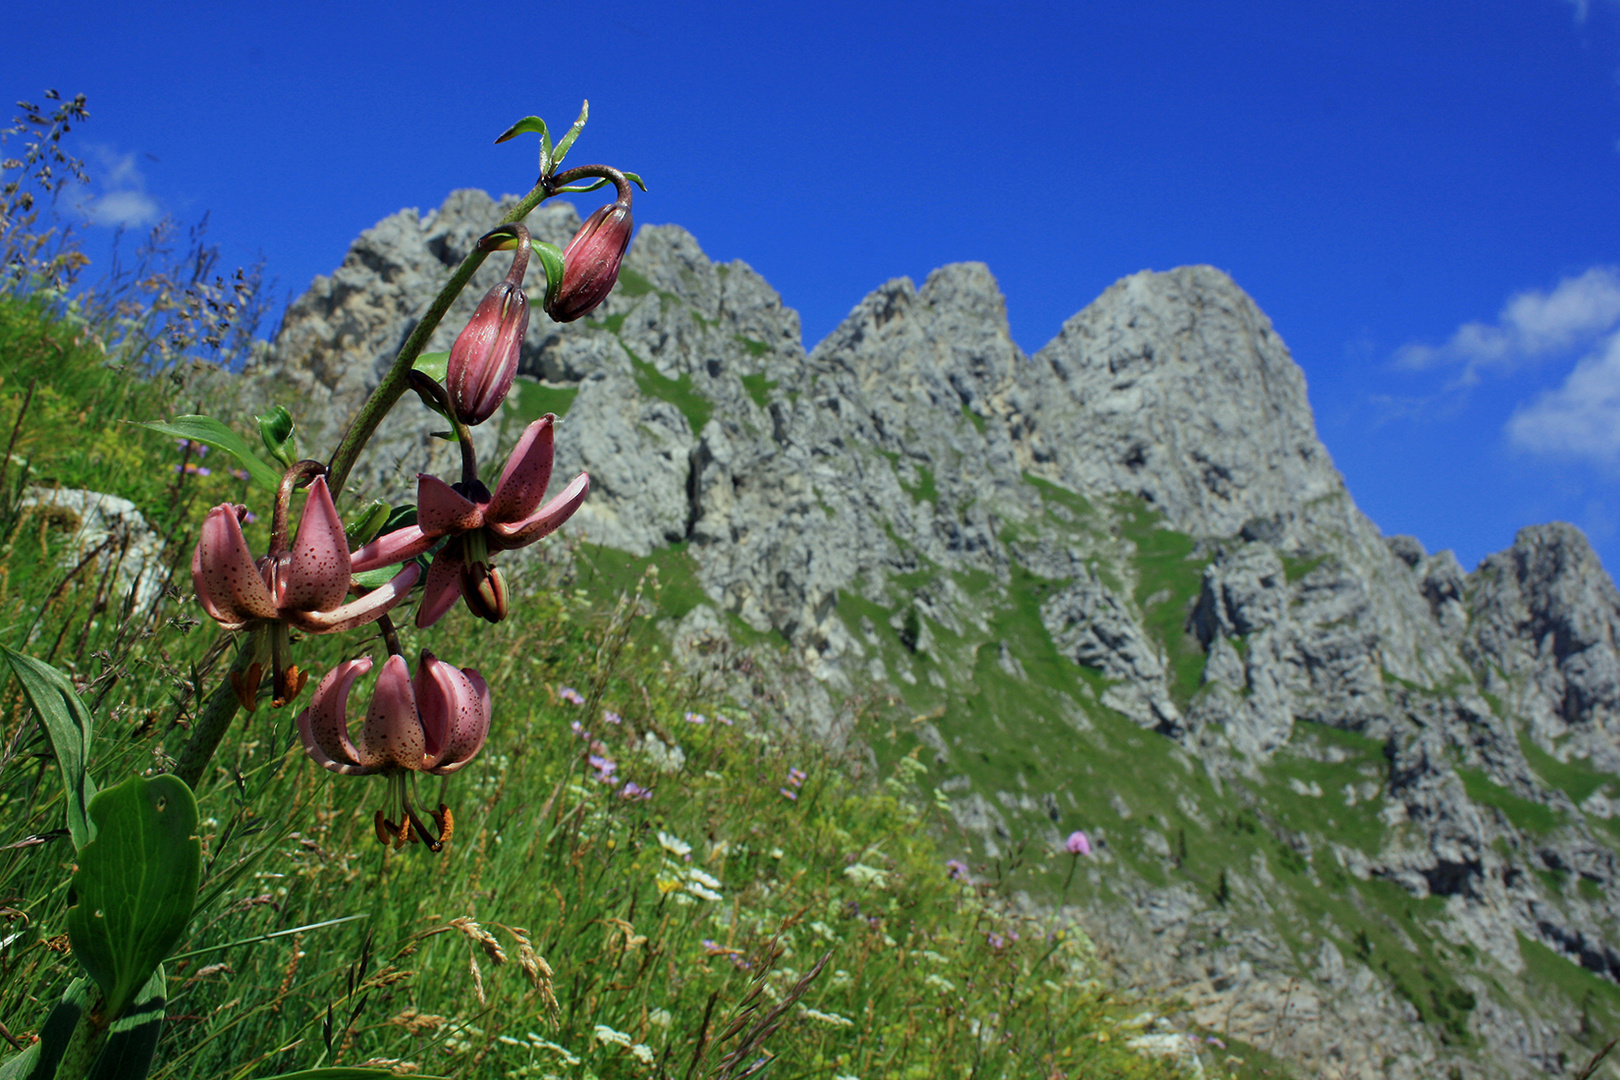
x=394, y=383
x=213, y=720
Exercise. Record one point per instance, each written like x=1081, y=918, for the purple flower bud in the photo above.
x=591, y=262
x=485, y=355
x=1077, y=844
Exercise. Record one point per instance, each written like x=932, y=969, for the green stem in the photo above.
x=214, y=720
x=394, y=383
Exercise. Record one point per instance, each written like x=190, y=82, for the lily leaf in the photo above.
x=551, y=259
x=435, y=365
x=367, y=523
x=205, y=429
x=573, y=133
x=137, y=880
x=276, y=429
x=67, y=723
x=527, y=124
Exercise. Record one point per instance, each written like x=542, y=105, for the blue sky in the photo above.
x=1425, y=198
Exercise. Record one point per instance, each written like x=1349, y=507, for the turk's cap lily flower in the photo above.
x=484, y=358
x=304, y=588
x=479, y=524
x=434, y=723
x=591, y=261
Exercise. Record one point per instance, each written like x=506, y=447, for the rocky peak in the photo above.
x=1174, y=385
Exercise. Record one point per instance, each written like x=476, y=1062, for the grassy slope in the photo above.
x=657, y=917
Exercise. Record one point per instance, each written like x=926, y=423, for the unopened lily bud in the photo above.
x=591, y=262
x=485, y=356
x=485, y=590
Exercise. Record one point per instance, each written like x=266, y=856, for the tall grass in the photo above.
x=568, y=930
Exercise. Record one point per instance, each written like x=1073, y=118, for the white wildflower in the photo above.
x=861, y=874
x=832, y=1019
x=940, y=982
x=605, y=1034
x=674, y=845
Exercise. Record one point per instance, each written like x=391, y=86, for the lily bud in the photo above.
x=591, y=262
x=485, y=355
x=485, y=590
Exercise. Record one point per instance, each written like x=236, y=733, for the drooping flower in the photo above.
x=434, y=723
x=479, y=524
x=484, y=358
x=591, y=260
x=304, y=588
x=1078, y=844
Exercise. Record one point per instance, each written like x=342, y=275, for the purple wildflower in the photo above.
x=612, y=717
x=957, y=869
x=1077, y=844
x=696, y=718
x=789, y=793
x=796, y=777
x=570, y=695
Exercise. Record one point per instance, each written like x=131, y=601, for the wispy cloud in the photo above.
x=122, y=201
x=1580, y=419
x=1532, y=326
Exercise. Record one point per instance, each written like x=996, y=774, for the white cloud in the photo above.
x=1580, y=419
x=117, y=209
x=123, y=201
x=1531, y=326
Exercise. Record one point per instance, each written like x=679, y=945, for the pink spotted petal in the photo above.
x=455, y=714
x=391, y=548
x=441, y=510
x=528, y=470
x=393, y=731
x=224, y=574
x=318, y=576
x=368, y=609
x=443, y=587
x=324, y=726
x=505, y=537
x=468, y=737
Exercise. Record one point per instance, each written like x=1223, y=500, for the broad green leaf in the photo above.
x=136, y=883
x=435, y=365
x=67, y=723
x=54, y=1037
x=21, y=1065
x=205, y=429
x=551, y=260
x=276, y=430
x=133, y=1037
x=573, y=133
x=528, y=123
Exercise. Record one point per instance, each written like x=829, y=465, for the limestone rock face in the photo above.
x=1342, y=790
x=1176, y=386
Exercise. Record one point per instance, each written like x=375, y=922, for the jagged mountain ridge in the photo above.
x=917, y=504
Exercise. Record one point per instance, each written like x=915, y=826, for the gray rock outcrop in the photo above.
x=1129, y=551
